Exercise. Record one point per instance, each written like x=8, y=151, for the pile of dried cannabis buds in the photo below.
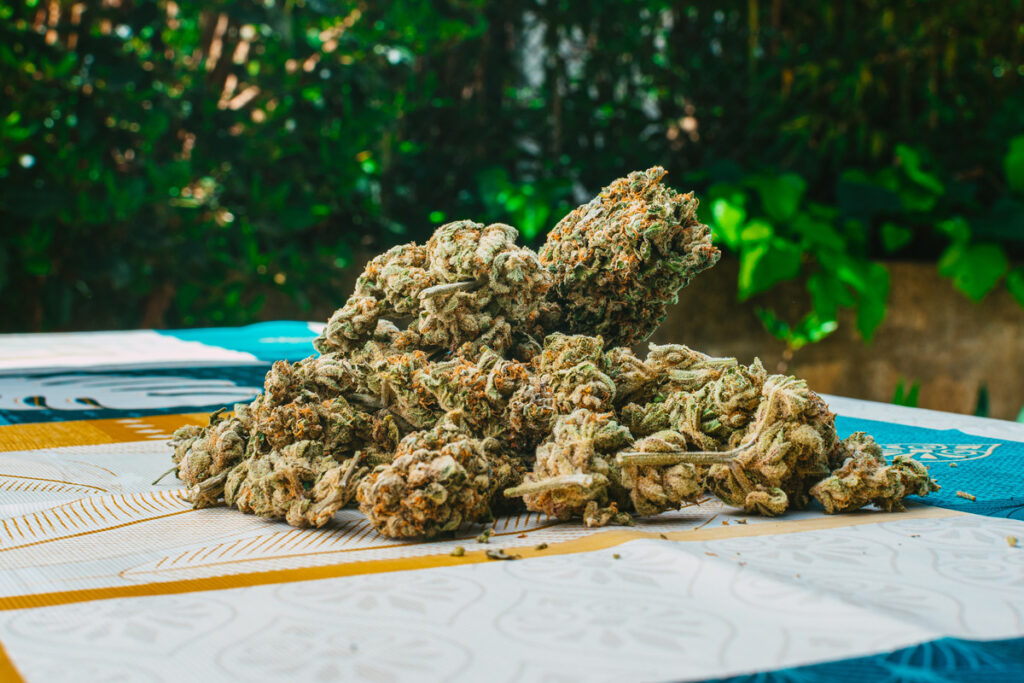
x=471, y=376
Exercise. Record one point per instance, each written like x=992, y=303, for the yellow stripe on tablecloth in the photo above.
x=25, y=437
x=599, y=540
x=8, y=673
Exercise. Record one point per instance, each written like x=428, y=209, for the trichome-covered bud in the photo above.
x=389, y=286
x=478, y=390
x=571, y=366
x=765, y=464
x=865, y=478
x=856, y=445
x=620, y=259
x=297, y=483
x=334, y=423
x=485, y=282
x=203, y=452
x=656, y=486
x=576, y=467
x=633, y=378
x=531, y=414
x=329, y=375
x=784, y=451
x=439, y=480
x=680, y=368
x=395, y=379
x=471, y=284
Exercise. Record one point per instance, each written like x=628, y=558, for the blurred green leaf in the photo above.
x=765, y=264
x=729, y=218
x=906, y=396
x=818, y=233
x=780, y=194
x=862, y=197
x=895, y=237
x=956, y=228
x=911, y=163
x=755, y=231
x=828, y=294
x=982, y=403
x=1013, y=164
x=775, y=325
x=811, y=328
x=975, y=268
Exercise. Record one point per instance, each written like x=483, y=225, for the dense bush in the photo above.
x=174, y=163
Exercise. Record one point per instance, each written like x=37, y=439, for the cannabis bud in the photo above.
x=574, y=474
x=469, y=376
x=204, y=455
x=865, y=478
x=619, y=260
x=439, y=479
x=470, y=284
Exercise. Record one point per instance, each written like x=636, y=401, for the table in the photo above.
x=106, y=576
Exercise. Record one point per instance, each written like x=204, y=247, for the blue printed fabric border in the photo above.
x=58, y=397
x=271, y=341
x=106, y=384
x=936, y=661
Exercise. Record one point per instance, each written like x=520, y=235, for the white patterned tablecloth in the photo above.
x=105, y=576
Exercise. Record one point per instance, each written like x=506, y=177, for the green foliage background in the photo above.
x=177, y=163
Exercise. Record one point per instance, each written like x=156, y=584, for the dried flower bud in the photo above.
x=286, y=484
x=512, y=283
x=470, y=284
x=339, y=427
x=785, y=451
x=478, y=390
x=389, y=285
x=329, y=375
x=575, y=467
x=439, y=480
x=653, y=488
x=395, y=379
x=633, y=378
x=203, y=452
x=531, y=414
x=565, y=351
x=865, y=478
x=620, y=259
x=856, y=445
x=571, y=366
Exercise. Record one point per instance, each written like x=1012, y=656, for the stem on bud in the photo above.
x=659, y=458
x=214, y=481
x=207, y=492
x=353, y=464
x=365, y=400
x=676, y=457
x=559, y=482
x=438, y=290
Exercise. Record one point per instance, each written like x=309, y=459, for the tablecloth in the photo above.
x=105, y=576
